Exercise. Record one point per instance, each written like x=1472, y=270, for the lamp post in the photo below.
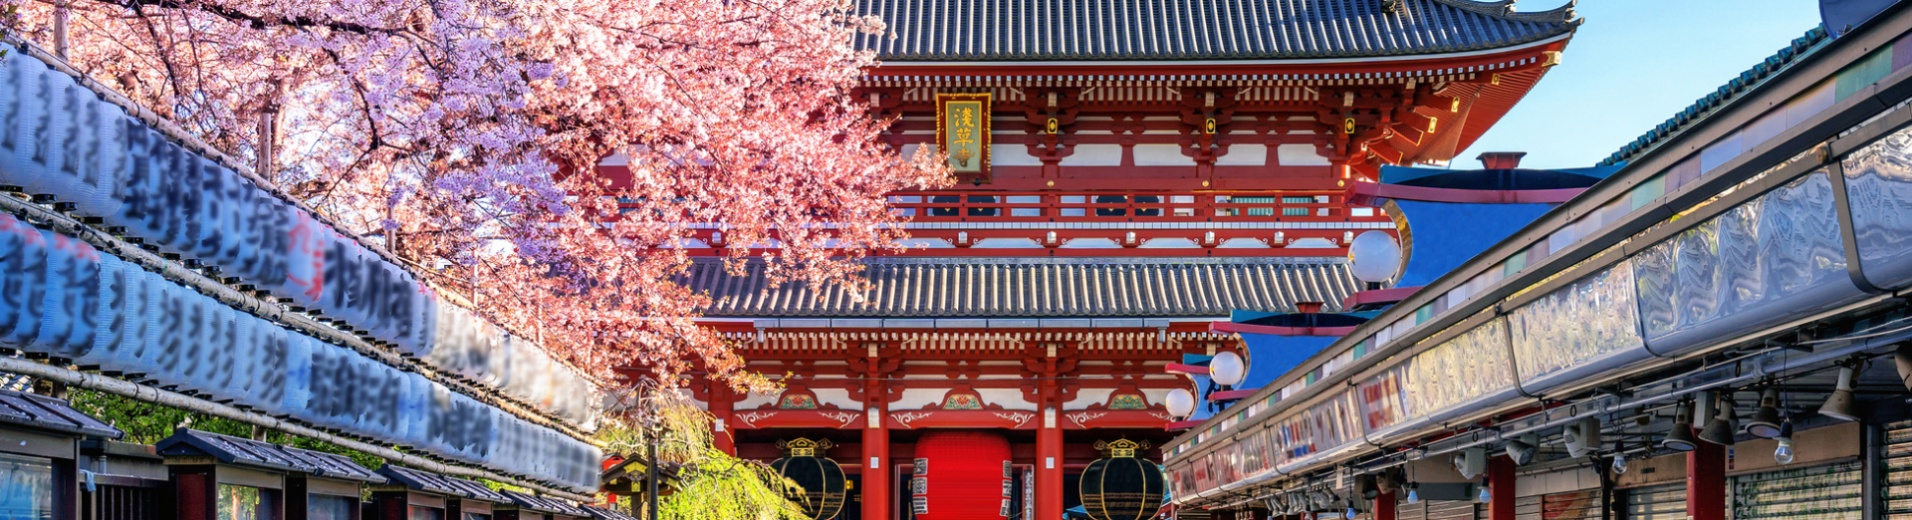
x=650, y=467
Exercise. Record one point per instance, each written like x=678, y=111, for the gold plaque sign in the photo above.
x=962, y=131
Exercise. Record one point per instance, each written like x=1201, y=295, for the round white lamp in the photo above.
x=1374, y=257
x=1228, y=368
x=1181, y=403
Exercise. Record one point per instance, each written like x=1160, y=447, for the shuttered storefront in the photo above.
x=1661, y=502
x=1823, y=492
x=1898, y=468
x=1452, y=510
x=1573, y=505
x=1527, y=507
x=1406, y=511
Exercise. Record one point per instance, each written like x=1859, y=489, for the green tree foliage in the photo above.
x=709, y=483
x=147, y=423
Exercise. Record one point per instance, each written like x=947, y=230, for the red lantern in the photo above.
x=962, y=475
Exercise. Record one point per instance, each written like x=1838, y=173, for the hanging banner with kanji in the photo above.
x=962, y=130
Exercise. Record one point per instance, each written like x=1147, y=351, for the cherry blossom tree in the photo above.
x=462, y=134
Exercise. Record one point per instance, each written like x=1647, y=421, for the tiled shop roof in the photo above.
x=264, y=455
x=435, y=483
x=1039, y=288
x=46, y=413
x=1143, y=30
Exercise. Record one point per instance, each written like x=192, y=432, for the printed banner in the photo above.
x=61, y=298
x=59, y=138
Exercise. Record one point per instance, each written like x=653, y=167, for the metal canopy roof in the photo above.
x=435, y=483
x=1152, y=30
x=46, y=413
x=1035, y=288
x=264, y=455
x=1724, y=95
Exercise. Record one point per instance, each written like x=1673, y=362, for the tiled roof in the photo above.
x=601, y=513
x=1038, y=288
x=1726, y=94
x=1142, y=30
x=264, y=455
x=547, y=505
x=435, y=483
x=46, y=413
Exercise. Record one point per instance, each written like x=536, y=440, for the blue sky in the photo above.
x=1633, y=64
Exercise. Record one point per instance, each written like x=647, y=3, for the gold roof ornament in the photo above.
x=801, y=447
x=1121, y=449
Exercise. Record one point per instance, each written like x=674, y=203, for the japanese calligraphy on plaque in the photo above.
x=962, y=130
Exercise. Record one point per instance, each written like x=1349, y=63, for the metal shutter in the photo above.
x=1662, y=502
x=1898, y=469
x=1527, y=507
x=1406, y=511
x=1825, y=492
x=1571, y=505
x=1451, y=510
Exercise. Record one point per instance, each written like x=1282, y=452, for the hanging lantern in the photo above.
x=821, y=478
x=1121, y=486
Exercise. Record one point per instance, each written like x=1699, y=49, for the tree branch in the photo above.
x=255, y=21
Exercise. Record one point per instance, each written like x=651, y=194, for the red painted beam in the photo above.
x=1379, y=296
x=1226, y=326
x=1182, y=425
x=1181, y=368
x=1232, y=395
x=1366, y=193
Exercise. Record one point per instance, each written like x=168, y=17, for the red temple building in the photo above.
x=1130, y=174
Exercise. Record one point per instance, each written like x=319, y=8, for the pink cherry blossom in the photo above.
x=446, y=129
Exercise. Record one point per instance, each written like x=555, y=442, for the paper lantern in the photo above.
x=1121, y=486
x=964, y=479
x=820, y=482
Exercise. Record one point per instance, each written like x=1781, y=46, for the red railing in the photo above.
x=1221, y=223
x=1129, y=207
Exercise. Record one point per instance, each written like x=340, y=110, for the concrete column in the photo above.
x=1500, y=483
x=1049, y=466
x=1706, y=482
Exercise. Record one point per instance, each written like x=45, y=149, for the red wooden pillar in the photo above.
x=1706, y=482
x=1384, y=506
x=1049, y=466
x=1500, y=486
x=876, y=456
x=722, y=403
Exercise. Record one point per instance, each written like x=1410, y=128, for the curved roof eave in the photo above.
x=999, y=31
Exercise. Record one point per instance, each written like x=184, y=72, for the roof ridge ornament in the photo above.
x=1121, y=448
